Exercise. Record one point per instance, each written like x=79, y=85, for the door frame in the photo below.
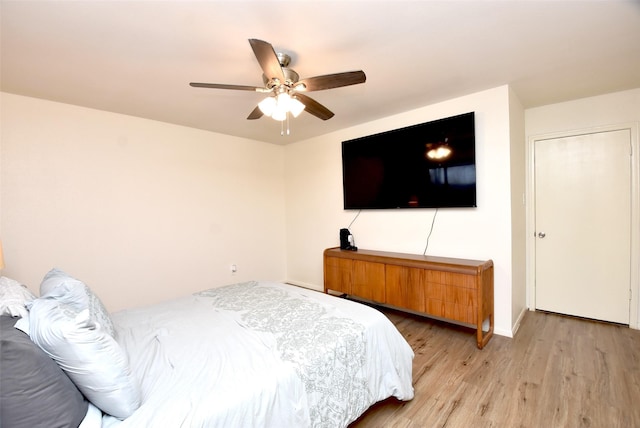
x=634, y=304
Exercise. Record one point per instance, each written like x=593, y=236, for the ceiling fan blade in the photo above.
x=329, y=81
x=223, y=86
x=268, y=59
x=255, y=114
x=314, y=107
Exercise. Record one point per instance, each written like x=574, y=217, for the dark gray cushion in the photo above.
x=34, y=391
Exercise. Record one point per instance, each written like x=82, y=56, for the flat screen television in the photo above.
x=430, y=165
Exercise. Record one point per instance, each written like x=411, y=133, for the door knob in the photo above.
x=541, y=235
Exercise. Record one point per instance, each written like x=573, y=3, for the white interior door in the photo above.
x=583, y=225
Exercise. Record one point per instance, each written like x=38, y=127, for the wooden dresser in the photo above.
x=447, y=288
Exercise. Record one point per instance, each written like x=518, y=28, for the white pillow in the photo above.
x=14, y=298
x=77, y=294
x=91, y=358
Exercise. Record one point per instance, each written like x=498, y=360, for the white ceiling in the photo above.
x=138, y=57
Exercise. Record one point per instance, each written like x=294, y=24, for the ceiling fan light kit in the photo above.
x=277, y=107
x=284, y=86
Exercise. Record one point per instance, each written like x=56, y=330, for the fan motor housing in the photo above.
x=290, y=76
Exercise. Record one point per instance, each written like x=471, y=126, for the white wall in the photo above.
x=315, y=212
x=608, y=109
x=518, y=211
x=140, y=210
x=618, y=108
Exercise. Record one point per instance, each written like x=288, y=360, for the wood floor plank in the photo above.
x=557, y=372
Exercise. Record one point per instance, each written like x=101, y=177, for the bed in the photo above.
x=252, y=354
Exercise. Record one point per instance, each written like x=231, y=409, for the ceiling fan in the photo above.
x=285, y=86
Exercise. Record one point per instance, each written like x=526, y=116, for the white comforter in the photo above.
x=261, y=355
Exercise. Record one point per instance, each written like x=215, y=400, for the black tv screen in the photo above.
x=430, y=165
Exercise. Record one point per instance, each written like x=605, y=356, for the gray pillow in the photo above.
x=35, y=392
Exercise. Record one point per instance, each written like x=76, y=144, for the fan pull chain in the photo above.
x=288, y=115
x=282, y=130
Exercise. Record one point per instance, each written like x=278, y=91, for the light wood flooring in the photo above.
x=557, y=372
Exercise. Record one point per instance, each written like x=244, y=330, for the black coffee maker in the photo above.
x=346, y=240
